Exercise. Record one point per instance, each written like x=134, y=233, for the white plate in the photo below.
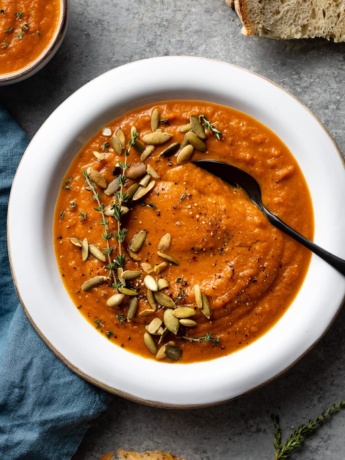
x=30, y=222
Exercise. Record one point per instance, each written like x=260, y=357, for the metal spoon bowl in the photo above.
x=240, y=178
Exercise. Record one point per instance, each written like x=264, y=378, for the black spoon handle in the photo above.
x=333, y=260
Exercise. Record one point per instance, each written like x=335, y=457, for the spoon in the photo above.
x=240, y=178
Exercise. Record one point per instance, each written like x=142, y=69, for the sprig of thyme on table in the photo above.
x=296, y=439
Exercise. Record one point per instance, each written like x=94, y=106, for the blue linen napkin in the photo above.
x=45, y=409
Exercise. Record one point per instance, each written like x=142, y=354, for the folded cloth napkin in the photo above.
x=45, y=409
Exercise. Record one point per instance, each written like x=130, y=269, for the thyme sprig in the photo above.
x=104, y=222
x=210, y=127
x=299, y=435
x=208, y=337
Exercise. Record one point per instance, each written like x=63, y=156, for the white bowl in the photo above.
x=46, y=55
x=30, y=223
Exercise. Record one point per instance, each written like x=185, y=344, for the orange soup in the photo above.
x=26, y=29
x=167, y=260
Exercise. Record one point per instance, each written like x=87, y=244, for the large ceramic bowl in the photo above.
x=45, y=55
x=30, y=224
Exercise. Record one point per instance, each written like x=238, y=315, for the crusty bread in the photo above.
x=288, y=19
x=147, y=455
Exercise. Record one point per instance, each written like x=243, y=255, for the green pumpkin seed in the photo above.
x=138, y=240
x=119, y=274
x=132, y=308
x=98, y=155
x=133, y=255
x=153, y=173
x=115, y=300
x=160, y=267
x=170, y=321
x=196, y=142
x=131, y=191
x=131, y=274
x=146, y=267
x=198, y=296
x=206, y=309
x=150, y=343
x=146, y=312
x=188, y=322
x=145, y=180
x=161, y=352
x=185, y=128
x=76, y=242
x=93, y=282
x=121, y=135
x=155, y=119
x=142, y=191
x=147, y=152
x=171, y=150
x=184, y=142
x=157, y=138
x=136, y=171
x=173, y=352
x=154, y=326
x=116, y=144
x=168, y=258
x=128, y=291
x=139, y=146
x=185, y=154
x=164, y=299
x=84, y=249
x=197, y=127
x=184, y=312
x=164, y=242
x=106, y=132
x=113, y=187
x=151, y=300
x=162, y=283
x=150, y=283
x=96, y=177
x=97, y=253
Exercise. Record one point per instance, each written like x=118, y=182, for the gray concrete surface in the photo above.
x=104, y=34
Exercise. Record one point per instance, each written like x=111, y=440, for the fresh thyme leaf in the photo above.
x=299, y=435
x=25, y=26
x=133, y=138
x=183, y=196
x=8, y=30
x=164, y=121
x=105, y=146
x=99, y=323
x=72, y=204
x=4, y=44
x=62, y=214
x=210, y=127
x=19, y=14
x=67, y=182
x=120, y=260
x=208, y=337
x=120, y=235
x=108, y=250
x=109, y=334
x=83, y=215
x=2, y=11
x=20, y=36
x=121, y=318
x=181, y=295
x=106, y=236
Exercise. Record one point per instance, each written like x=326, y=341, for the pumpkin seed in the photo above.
x=93, y=282
x=133, y=255
x=119, y=274
x=197, y=127
x=160, y=267
x=173, y=352
x=171, y=150
x=109, y=210
x=84, y=249
x=146, y=267
x=145, y=180
x=139, y=146
x=99, y=156
x=142, y=191
x=116, y=144
x=154, y=326
x=155, y=119
x=162, y=283
x=131, y=191
x=150, y=343
x=170, y=321
x=185, y=154
x=164, y=242
x=97, y=178
x=185, y=128
x=146, y=312
x=157, y=138
x=184, y=312
x=132, y=308
x=97, y=253
x=168, y=258
x=196, y=142
x=128, y=291
x=206, y=309
x=115, y=300
x=131, y=274
x=121, y=135
x=134, y=132
x=188, y=322
x=76, y=242
x=136, y=171
x=107, y=132
x=153, y=173
x=198, y=296
x=113, y=187
x=184, y=142
x=138, y=240
x=164, y=299
x=151, y=300
x=147, y=152
x=151, y=283
x=161, y=352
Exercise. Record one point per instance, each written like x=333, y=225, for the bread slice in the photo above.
x=288, y=19
x=147, y=455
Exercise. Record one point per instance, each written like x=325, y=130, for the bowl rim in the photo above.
x=168, y=400
x=47, y=53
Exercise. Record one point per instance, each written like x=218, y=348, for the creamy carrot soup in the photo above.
x=26, y=29
x=165, y=259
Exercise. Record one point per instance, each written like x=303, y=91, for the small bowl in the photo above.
x=33, y=260
x=45, y=56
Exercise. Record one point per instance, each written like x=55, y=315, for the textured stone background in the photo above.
x=104, y=34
